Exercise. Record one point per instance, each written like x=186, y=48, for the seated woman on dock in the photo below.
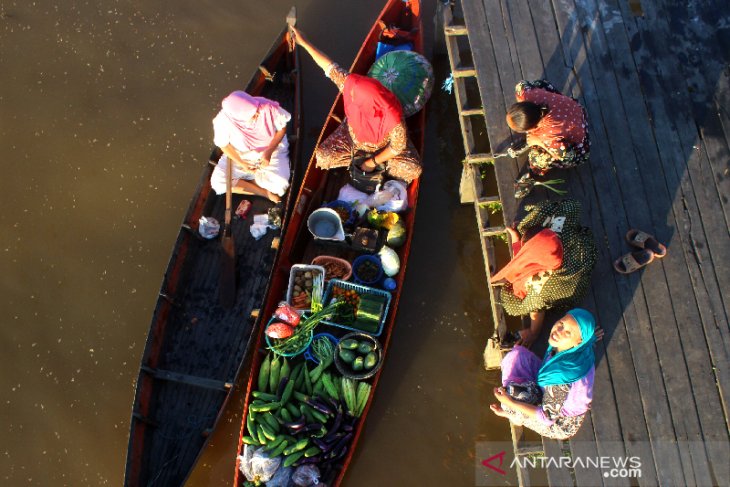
x=251, y=132
x=556, y=127
x=553, y=258
x=551, y=396
x=374, y=124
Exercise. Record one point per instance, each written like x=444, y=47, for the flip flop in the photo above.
x=633, y=261
x=643, y=240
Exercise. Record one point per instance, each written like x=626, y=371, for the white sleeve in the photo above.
x=281, y=119
x=221, y=135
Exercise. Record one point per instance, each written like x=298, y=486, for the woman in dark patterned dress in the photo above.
x=374, y=124
x=551, y=396
x=553, y=258
x=556, y=127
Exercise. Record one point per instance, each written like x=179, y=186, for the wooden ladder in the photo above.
x=471, y=187
x=471, y=192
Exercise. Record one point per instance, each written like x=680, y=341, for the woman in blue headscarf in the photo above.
x=551, y=396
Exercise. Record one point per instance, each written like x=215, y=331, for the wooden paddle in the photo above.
x=227, y=283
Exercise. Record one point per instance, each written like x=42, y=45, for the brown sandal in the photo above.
x=633, y=261
x=642, y=240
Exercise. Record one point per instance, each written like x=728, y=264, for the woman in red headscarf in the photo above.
x=374, y=124
x=251, y=132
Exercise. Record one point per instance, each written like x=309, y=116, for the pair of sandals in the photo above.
x=650, y=249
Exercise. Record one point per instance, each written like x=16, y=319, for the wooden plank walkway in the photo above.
x=655, y=80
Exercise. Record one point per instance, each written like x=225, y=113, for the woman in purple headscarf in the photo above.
x=251, y=132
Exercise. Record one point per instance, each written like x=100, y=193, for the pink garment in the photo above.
x=250, y=119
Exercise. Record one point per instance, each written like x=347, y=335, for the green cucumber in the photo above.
x=370, y=360
x=298, y=446
x=312, y=451
x=293, y=458
x=293, y=411
x=268, y=432
x=271, y=421
x=285, y=369
x=265, y=396
x=260, y=408
x=274, y=374
x=279, y=449
x=330, y=386
x=274, y=444
x=250, y=424
x=285, y=416
x=358, y=364
x=347, y=355
x=261, y=436
x=307, y=380
x=288, y=390
x=365, y=347
x=249, y=440
x=264, y=373
x=349, y=344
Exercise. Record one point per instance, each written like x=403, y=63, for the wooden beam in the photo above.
x=188, y=379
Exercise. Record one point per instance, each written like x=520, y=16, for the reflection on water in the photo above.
x=105, y=112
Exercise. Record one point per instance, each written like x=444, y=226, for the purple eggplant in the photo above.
x=343, y=442
x=311, y=427
x=282, y=386
x=341, y=454
x=347, y=427
x=319, y=405
x=335, y=426
x=304, y=460
x=322, y=445
x=297, y=425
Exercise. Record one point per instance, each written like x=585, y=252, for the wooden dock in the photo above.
x=655, y=80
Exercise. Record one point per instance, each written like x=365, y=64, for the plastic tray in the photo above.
x=300, y=268
x=360, y=289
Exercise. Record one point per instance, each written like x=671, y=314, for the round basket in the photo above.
x=309, y=354
x=271, y=341
x=367, y=258
x=322, y=260
x=345, y=369
x=347, y=206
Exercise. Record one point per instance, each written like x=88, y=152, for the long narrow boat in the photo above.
x=299, y=246
x=196, y=347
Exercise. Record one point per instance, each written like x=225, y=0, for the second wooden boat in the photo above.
x=196, y=347
x=299, y=247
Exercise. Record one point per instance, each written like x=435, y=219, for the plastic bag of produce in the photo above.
x=393, y=197
x=282, y=477
x=350, y=194
x=256, y=465
x=306, y=475
x=390, y=261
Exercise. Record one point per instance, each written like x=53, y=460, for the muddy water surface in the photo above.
x=105, y=112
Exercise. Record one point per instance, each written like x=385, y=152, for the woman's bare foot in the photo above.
x=497, y=409
x=513, y=235
x=273, y=197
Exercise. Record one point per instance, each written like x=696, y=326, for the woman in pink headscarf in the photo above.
x=251, y=132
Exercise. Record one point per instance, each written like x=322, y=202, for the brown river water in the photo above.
x=105, y=124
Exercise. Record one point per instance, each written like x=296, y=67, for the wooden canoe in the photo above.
x=196, y=347
x=321, y=186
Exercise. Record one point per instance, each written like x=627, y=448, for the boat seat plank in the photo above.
x=188, y=379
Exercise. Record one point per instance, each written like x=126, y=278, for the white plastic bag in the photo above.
x=208, y=227
x=256, y=465
x=350, y=194
x=392, y=197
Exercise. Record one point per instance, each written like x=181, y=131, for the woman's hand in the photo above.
x=265, y=158
x=526, y=338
